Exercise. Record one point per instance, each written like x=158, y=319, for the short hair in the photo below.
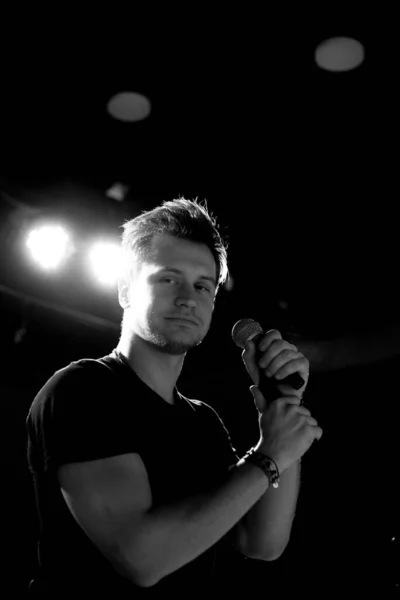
x=181, y=218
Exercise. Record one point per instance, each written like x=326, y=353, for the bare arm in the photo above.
x=267, y=525
x=112, y=502
x=171, y=537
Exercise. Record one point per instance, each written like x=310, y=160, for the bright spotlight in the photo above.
x=105, y=262
x=49, y=245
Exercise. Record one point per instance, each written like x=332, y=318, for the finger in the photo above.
x=295, y=363
x=259, y=399
x=249, y=350
x=290, y=399
x=268, y=338
x=298, y=409
x=317, y=431
x=270, y=352
x=280, y=360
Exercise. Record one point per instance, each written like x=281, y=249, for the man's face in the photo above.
x=174, y=281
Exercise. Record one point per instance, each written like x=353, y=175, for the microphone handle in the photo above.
x=268, y=385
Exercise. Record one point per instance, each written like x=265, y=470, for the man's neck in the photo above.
x=158, y=370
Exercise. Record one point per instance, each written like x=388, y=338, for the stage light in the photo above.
x=105, y=262
x=339, y=54
x=117, y=191
x=129, y=107
x=49, y=245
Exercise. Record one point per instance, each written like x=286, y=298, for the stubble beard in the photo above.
x=173, y=341
x=169, y=345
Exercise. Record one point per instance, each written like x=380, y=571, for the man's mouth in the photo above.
x=183, y=321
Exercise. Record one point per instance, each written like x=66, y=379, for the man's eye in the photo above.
x=169, y=279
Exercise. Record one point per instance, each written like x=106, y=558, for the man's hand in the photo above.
x=287, y=429
x=278, y=359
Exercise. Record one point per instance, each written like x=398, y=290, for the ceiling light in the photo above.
x=339, y=54
x=129, y=107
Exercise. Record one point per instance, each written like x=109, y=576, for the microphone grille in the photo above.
x=243, y=330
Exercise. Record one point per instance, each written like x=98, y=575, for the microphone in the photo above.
x=245, y=330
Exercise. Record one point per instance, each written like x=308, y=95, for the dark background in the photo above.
x=300, y=168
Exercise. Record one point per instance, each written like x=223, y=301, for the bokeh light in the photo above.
x=339, y=54
x=49, y=245
x=104, y=260
x=129, y=107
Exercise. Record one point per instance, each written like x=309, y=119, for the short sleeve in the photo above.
x=79, y=417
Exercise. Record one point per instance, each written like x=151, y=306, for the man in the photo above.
x=136, y=485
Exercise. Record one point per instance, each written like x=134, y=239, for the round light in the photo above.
x=129, y=106
x=105, y=262
x=49, y=245
x=339, y=54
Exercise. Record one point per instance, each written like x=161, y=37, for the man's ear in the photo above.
x=123, y=292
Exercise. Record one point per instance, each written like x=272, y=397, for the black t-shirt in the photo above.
x=94, y=409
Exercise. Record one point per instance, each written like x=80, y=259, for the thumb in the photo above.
x=249, y=349
x=259, y=399
x=249, y=360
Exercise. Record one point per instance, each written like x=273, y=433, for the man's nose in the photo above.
x=186, y=301
x=186, y=298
